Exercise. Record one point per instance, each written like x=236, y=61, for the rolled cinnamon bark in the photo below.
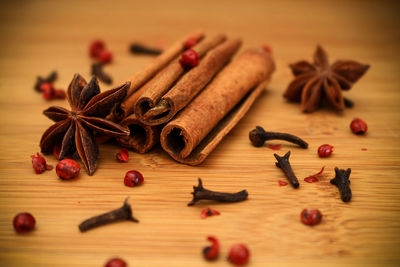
x=140, y=78
x=191, y=83
x=169, y=75
x=192, y=135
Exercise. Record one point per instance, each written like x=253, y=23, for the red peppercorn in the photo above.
x=192, y=41
x=116, y=262
x=208, y=212
x=133, y=178
x=39, y=164
x=239, y=254
x=24, y=222
x=96, y=47
x=47, y=90
x=189, y=59
x=123, y=155
x=311, y=216
x=358, y=126
x=59, y=94
x=105, y=56
x=68, y=169
x=325, y=150
x=211, y=252
x=267, y=48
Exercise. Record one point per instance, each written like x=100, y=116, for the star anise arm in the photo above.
x=105, y=126
x=101, y=104
x=68, y=142
x=321, y=58
x=88, y=92
x=74, y=90
x=302, y=67
x=86, y=147
x=293, y=92
x=53, y=135
x=349, y=70
x=312, y=95
x=333, y=94
x=56, y=113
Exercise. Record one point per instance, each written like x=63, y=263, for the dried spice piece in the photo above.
x=342, y=181
x=284, y=164
x=97, y=70
x=96, y=47
x=133, y=178
x=39, y=164
x=258, y=136
x=105, y=56
x=189, y=59
x=358, y=126
x=239, y=254
x=190, y=42
x=123, y=213
x=208, y=212
x=74, y=129
x=49, y=92
x=49, y=79
x=325, y=150
x=282, y=183
x=267, y=48
x=313, y=178
x=275, y=147
x=116, y=262
x=123, y=155
x=24, y=222
x=314, y=82
x=211, y=253
x=348, y=103
x=311, y=216
x=199, y=192
x=68, y=169
x=137, y=48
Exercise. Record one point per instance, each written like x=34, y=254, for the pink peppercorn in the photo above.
x=115, y=262
x=358, y=126
x=189, y=59
x=96, y=47
x=239, y=254
x=325, y=150
x=311, y=216
x=122, y=155
x=105, y=56
x=133, y=178
x=39, y=164
x=68, y=169
x=192, y=41
x=24, y=222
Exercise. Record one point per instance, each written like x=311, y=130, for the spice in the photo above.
x=51, y=78
x=258, y=136
x=311, y=216
x=49, y=92
x=123, y=155
x=97, y=70
x=105, y=56
x=358, y=126
x=137, y=48
x=123, y=213
x=342, y=181
x=239, y=254
x=211, y=253
x=267, y=48
x=190, y=42
x=133, y=178
x=284, y=164
x=325, y=150
x=68, y=169
x=208, y=212
x=199, y=192
x=189, y=59
x=275, y=147
x=39, y=164
x=24, y=222
x=116, y=262
x=96, y=47
x=314, y=82
x=73, y=129
x=348, y=103
x=282, y=183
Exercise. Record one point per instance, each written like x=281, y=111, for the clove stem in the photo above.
x=284, y=164
x=342, y=181
x=97, y=70
x=123, y=213
x=137, y=48
x=258, y=136
x=199, y=192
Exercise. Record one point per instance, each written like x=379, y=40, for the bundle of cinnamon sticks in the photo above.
x=190, y=110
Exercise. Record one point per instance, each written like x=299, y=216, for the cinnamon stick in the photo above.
x=192, y=135
x=191, y=83
x=169, y=75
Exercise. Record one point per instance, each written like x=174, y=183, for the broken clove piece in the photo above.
x=49, y=79
x=137, y=48
x=342, y=181
x=97, y=70
x=258, y=136
x=123, y=213
x=284, y=164
x=199, y=192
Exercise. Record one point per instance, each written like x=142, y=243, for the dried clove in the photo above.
x=97, y=70
x=199, y=192
x=137, y=48
x=342, y=181
x=284, y=164
x=258, y=136
x=123, y=213
x=49, y=79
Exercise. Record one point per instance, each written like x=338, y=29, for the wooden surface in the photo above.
x=40, y=36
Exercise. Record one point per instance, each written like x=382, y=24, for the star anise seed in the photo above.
x=314, y=82
x=74, y=129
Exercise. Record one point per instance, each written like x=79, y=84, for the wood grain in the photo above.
x=39, y=36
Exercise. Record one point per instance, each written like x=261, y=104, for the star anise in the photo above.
x=314, y=82
x=74, y=129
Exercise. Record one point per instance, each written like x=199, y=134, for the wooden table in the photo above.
x=40, y=36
